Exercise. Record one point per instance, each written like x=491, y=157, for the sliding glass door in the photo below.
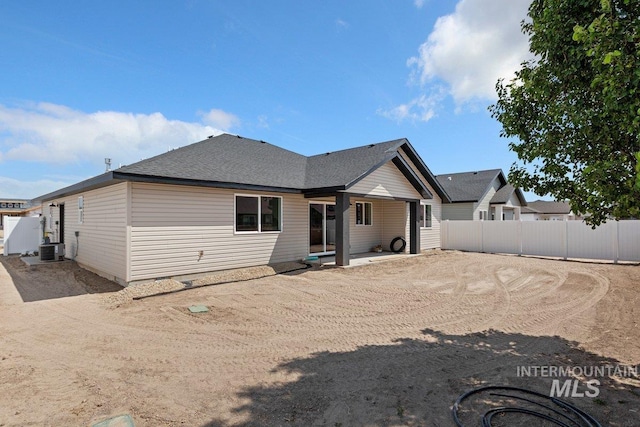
x=322, y=228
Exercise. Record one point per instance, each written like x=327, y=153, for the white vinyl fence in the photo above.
x=614, y=240
x=21, y=234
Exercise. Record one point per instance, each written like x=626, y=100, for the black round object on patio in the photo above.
x=402, y=246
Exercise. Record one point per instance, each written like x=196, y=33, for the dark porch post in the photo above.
x=414, y=221
x=342, y=229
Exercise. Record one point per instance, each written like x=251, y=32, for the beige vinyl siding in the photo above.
x=483, y=204
x=386, y=181
x=513, y=200
x=429, y=237
x=457, y=211
x=170, y=225
x=395, y=222
x=101, y=245
x=364, y=237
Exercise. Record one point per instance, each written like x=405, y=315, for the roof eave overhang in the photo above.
x=463, y=201
x=99, y=181
x=115, y=177
x=404, y=168
x=523, y=201
x=411, y=176
x=431, y=178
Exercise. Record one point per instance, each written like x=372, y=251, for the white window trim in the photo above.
x=363, y=213
x=424, y=214
x=259, y=231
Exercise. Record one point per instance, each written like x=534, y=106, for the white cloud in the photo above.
x=342, y=24
x=220, y=119
x=474, y=47
x=420, y=109
x=56, y=134
x=418, y=3
x=20, y=189
x=263, y=121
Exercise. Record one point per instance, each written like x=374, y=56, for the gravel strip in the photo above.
x=159, y=287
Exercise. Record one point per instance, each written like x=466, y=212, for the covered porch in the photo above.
x=343, y=225
x=502, y=212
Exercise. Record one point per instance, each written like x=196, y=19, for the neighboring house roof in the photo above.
x=503, y=195
x=231, y=161
x=466, y=187
x=550, y=207
x=528, y=210
x=14, y=204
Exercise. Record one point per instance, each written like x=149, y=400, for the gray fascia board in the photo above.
x=404, y=168
x=397, y=199
x=489, y=187
x=99, y=181
x=462, y=201
x=523, y=201
x=412, y=177
x=431, y=178
x=322, y=192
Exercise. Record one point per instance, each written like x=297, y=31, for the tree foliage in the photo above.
x=575, y=108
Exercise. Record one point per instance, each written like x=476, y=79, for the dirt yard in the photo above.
x=387, y=344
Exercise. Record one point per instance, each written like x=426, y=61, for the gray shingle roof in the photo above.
x=549, y=207
x=468, y=186
x=227, y=158
x=503, y=195
x=346, y=166
x=235, y=162
x=527, y=209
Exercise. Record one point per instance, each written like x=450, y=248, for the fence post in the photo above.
x=481, y=236
x=566, y=239
x=616, y=242
x=520, y=238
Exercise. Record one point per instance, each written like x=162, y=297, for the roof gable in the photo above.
x=345, y=167
x=503, y=195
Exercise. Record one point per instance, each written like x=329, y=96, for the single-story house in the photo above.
x=231, y=202
x=480, y=195
x=544, y=210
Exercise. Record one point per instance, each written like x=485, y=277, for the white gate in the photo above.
x=614, y=240
x=21, y=234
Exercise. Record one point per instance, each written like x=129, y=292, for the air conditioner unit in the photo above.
x=59, y=250
x=47, y=253
x=51, y=251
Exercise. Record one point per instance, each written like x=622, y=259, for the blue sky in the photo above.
x=82, y=81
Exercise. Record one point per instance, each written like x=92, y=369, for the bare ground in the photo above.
x=391, y=343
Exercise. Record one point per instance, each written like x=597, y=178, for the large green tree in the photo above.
x=575, y=107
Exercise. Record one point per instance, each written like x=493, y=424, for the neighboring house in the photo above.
x=542, y=210
x=480, y=195
x=230, y=202
x=17, y=207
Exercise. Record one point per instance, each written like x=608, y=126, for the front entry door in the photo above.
x=322, y=228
